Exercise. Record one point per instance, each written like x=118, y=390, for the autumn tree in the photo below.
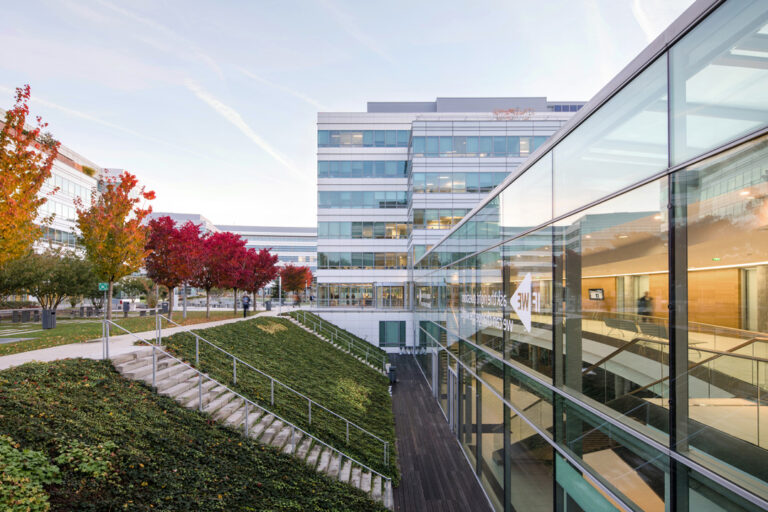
x=219, y=255
x=295, y=279
x=171, y=258
x=113, y=231
x=55, y=275
x=25, y=164
x=260, y=269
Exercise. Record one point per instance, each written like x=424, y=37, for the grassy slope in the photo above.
x=311, y=366
x=77, y=331
x=168, y=458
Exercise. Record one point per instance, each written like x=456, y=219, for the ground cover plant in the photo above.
x=76, y=331
x=359, y=347
x=310, y=366
x=77, y=436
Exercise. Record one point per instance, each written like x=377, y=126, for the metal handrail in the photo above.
x=348, y=338
x=200, y=375
x=236, y=360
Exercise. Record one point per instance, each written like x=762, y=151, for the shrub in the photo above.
x=22, y=476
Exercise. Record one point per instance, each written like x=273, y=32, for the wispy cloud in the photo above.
x=292, y=92
x=36, y=100
x=596, y=25
x=173, y=43
x=653, y=16
x=234, y=117
x=352, y=28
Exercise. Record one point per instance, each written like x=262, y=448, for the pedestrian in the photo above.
x=644, y=307
x=246, y=300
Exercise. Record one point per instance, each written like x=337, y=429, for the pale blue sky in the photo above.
x=213, y=104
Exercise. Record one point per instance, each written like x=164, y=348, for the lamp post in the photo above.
x=279, y=294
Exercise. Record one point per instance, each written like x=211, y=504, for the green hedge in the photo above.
x=164, y=457
x=310, y=366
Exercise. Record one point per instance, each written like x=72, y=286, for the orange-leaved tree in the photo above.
x=25, y=164
x=112, y=229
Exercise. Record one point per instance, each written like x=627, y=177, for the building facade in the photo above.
x=596, y=329
x=393, y=180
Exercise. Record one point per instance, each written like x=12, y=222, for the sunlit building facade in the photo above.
x=596, y=330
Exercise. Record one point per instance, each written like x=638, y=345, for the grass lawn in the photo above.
x=310, y=366
x=75, y=331
x=119, y=446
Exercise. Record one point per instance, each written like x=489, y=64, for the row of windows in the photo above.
x=62, y=211
x=70, y=187
x=434, y=218
x=298, y=259
x=362, y=199
x=456, y=182
x=460, y=145
x=362, y=169
x=362, y=260
x=341, y=295
x=60, y=237
x=363, y=138
x=361, y=230
x=278, y=238
x=564, y=108
x=285, y=248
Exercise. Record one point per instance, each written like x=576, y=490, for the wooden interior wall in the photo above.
x=608, y=284
x=714, y=297
x=659, y=292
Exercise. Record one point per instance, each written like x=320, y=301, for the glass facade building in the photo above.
x=596, y=330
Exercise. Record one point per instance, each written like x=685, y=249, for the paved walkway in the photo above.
x=121, y=344
x=435, y=474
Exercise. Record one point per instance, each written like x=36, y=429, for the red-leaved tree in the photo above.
x=296, y=279
x=113, y=231
x=218, y=263
x=260, y=270
x=172, y=258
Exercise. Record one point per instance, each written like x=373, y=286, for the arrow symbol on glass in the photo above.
x=521, y=302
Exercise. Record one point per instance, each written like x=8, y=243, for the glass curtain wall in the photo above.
x=605, y=316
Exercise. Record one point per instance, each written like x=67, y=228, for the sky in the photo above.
x=213, y=105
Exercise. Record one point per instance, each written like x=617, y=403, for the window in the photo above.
x=362, y=138
x=362, y=169
x=392, y=333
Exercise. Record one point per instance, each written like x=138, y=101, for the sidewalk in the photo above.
x=118, y=344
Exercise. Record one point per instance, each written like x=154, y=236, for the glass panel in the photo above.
x=719, y=79
x=620, y=144
x=527, y=201
x=727, y=255
x=616, y=298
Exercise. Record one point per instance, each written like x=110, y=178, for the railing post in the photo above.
x=386, y=452
x=366, y=354
x=106, y=328
x=197, y=350
x=200, y=392
x=293, y=439
x=347, y=431
x=234, y=369
x=309, y=402
x=154, y=367
x=245, y=426
x=103, y=340
x=272, y=392
x=341, y=464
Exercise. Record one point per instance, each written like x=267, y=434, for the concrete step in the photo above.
x=177, y=377
x=314, y=455
x=131, y=356
x=282, y=437
x=389, y=499
x=325, y=459
x=262, y=425
x=271, y=431
x=334, y=466
x=304, y=448
x=229, y=409
x=219, y=402
x=365, y=482
x=190, y=388
x=293, y=442
x=146, y=370
x=134, y=364
x=346, y=470
x=376, y=491
x=213, y=393
x=357, y=473
x=172, y=369
x=237, y=418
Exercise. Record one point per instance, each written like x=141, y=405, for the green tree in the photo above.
x=55, y=275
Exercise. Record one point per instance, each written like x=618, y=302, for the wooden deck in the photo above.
x=435, y=473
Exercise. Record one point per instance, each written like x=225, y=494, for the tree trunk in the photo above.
x=170, y=302
x=185, y=301
x=109, y=302
x=207, y=303
x=235, y=302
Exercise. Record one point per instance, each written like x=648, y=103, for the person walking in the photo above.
x=644, y=307
x=246, y=300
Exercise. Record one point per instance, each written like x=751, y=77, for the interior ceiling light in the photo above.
x=657, y=217
x=623, y=236
x=744, y=193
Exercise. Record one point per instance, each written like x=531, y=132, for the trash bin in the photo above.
x=36, y=315
x=126, y=309
x=25, y=315
x=164, y=308
x=16, y=316
x=49, y=319
x=392, y=377
x=268, y=305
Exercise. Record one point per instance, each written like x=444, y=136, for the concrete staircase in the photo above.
x=182, y=383
x=336, y=345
